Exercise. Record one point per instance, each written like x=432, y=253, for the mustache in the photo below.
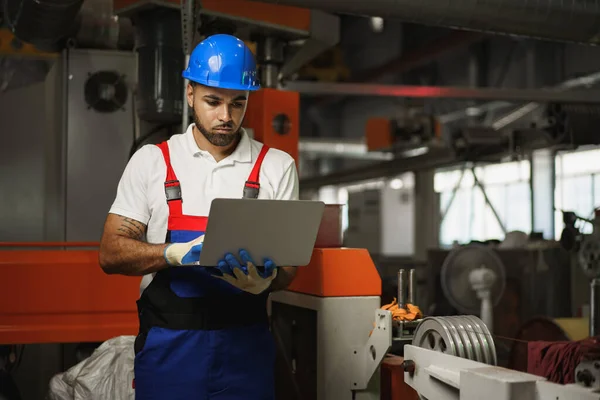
x=228, y=125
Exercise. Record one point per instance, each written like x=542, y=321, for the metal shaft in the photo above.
x=587, y=96
x=411, y=287
x=185, y=117
x=594, y=307
x=400, y=288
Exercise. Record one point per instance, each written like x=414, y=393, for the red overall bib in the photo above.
x=201, y=338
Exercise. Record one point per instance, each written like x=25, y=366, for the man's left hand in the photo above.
x=244, y=275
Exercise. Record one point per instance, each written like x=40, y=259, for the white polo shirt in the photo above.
x=141, y=194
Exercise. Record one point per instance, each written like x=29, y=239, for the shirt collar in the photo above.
x=242, y=153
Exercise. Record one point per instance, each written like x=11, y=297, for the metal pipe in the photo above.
x=185, y=115
x=99, y=29
x=574, y=21
x=435, y=158
x=270, y=57
x=444, y=92
x=520, y=112
x=187, y=37
x=161, y=59
x=410, y=298
x=515, y=115
x=594, y=308
x=401, y=301
x=339, y=147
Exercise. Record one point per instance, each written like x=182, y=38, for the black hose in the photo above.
x=137, y=142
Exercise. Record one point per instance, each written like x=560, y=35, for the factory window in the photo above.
x=577, y=186
x=467, y=216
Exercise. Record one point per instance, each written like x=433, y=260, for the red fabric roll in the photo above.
x=556, y=361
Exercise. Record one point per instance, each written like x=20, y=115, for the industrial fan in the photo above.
x=106, y=91
x=473, y=280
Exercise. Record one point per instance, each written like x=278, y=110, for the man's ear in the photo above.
x=190, y=94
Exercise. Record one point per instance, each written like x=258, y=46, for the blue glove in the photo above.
x=230, y=262
x=245, y=275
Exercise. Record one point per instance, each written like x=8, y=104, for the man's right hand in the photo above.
x=177, y=254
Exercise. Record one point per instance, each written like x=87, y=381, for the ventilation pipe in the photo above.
x=99, y=28
x=43, y=23
x=569, y=21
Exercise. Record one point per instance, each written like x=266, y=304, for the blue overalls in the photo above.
x=201, y=338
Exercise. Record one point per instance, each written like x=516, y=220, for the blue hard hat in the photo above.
x=223, y=61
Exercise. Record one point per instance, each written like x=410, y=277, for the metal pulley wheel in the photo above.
x=464, y=336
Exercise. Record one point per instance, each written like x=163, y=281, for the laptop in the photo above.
x=284, y=231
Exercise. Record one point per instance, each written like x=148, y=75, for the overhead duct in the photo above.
x=43, y=23
x=338, y=147
x=572, y=21
x=99, y=28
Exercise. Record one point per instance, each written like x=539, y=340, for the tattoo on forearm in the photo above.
x=131, y=228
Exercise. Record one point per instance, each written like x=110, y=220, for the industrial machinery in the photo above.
x=586, y=248
x=437, y=375
x=455, y=357
x=410, y=130
x=331, y=335
x=330, y=347
x=404, y=328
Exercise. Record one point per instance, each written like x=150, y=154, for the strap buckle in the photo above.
x=173, y=190
x=251, y=190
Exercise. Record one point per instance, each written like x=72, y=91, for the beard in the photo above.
x=217, y=139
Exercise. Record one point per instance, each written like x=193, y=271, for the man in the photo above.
x=203, y=331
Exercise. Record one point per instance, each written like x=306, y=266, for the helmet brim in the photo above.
x=223, y=85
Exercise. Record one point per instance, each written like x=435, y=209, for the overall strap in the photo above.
x=172, y=186
x=252, y=185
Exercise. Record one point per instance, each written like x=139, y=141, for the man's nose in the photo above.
x=224, y=113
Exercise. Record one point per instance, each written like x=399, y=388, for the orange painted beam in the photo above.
x=60, y=296
x=48, y=244
x=272, y=14
x=338, y=272
x=10, y=45
x=288, y=16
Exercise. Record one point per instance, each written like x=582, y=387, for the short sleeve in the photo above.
x=288, y=188
x=131, y=199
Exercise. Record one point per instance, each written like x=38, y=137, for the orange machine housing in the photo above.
x=338, y=272
x=53, y=295
x=379, y=134
x=265, y=107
